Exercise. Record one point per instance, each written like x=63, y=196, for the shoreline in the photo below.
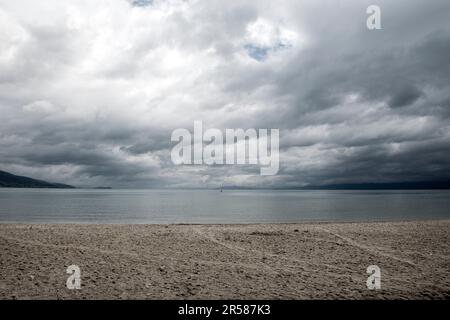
x=302, y=222
x=307, y=260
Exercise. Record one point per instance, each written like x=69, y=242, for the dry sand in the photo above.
x=261, y=261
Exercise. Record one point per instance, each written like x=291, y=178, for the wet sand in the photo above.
x=260, y=261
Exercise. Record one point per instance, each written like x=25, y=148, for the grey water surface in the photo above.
x=213, y=206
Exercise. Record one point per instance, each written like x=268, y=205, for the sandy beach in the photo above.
x=260, y=261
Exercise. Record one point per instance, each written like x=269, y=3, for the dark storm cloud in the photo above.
x=404, y=96
x=91, y=99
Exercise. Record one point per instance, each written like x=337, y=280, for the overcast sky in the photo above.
x=90, y=91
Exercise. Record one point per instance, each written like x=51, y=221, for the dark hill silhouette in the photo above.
x=9, y=180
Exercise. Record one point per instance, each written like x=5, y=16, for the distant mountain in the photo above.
x=387, y=186
x=418, y=185
x=8, y=180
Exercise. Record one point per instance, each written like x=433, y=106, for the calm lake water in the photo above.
x=213, y=206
